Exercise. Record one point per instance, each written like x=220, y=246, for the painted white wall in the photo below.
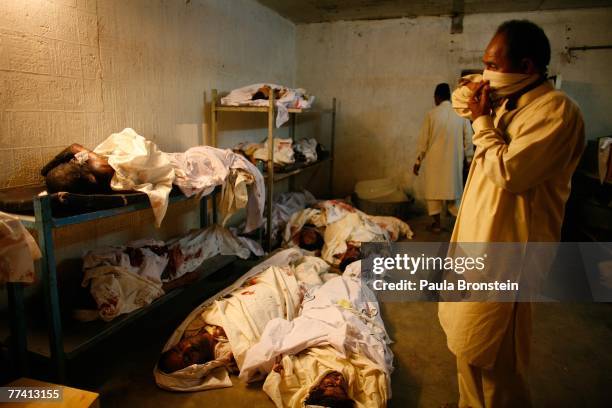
x=384, y=73
x=79, y=70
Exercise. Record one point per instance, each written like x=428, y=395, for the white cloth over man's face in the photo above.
x=502, y=84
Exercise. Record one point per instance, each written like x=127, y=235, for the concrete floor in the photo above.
x=571, y=360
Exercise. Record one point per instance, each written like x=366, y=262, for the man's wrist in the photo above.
x=482, y=122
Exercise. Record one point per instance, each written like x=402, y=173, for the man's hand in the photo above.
x=278, y=365
x=416, y=168
x=480, y=103
x=471, y=85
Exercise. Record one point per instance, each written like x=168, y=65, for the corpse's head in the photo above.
x=197, y=349
x=331, y=392
x=518, y=46
x=310, y=238
x=71, y=177
x=352, y=254
x=65, y=173
x=442, y=93
x=264, y=93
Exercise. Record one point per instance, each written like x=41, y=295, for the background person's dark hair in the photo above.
x=442, y=92
x=526, y=40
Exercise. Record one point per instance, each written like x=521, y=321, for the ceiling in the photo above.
x=315, y=11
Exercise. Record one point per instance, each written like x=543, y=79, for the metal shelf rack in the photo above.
x=84, y=335
x=270, y=176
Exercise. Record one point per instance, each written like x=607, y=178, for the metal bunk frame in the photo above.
x=43, y=222
x=271, y=178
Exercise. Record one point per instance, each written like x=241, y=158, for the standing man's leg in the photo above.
x=469, y=380
x=434, y=208
x=504, y=385
x=453, y=207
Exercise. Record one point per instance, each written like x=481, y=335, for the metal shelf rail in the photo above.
x=43, y=222
x=271, y=178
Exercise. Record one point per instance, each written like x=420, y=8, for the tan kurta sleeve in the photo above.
x=468, y=146
x=546, y=143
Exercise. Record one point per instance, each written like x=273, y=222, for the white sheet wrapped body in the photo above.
x=243, y=312
x=341, y=313
x=126, y=278
x=291, y=98
x=341, y=223
x=339, y=329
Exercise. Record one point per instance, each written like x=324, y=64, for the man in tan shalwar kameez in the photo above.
x=528, y=139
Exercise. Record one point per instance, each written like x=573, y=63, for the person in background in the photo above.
x=444, y=141
x=528, y=139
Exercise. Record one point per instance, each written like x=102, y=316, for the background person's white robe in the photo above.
x=444, y=140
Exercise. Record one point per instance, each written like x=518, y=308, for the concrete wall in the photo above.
x=384, y=72
x=79, y=70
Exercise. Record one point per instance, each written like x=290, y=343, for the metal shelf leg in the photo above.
x=48, y=273
x=19, y=342
x=204, y=212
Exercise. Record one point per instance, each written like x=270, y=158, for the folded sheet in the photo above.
x=18, y=251
x=286, y=98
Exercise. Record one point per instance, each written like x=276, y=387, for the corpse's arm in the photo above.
x=100, y=167
x=544, y=145
x=63, y=157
